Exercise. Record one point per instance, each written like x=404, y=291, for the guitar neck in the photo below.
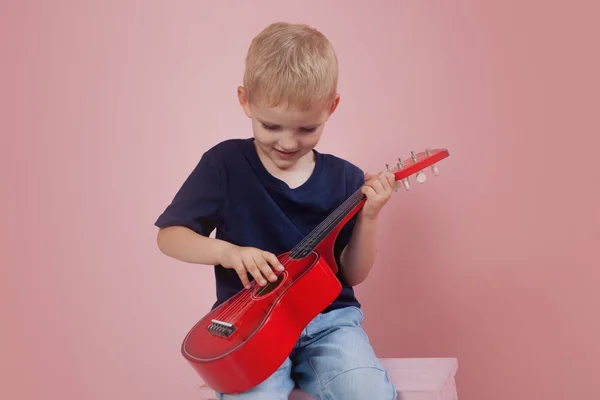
x=340, y=215
x=345, y=211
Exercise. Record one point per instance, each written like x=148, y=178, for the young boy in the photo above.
x=264, y=194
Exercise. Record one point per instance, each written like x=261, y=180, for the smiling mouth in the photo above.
x=286, y=154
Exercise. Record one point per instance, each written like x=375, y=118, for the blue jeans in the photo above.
x=332, y=360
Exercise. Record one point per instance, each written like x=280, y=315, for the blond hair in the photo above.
x=293, y=65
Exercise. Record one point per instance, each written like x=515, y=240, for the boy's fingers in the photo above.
x=385, y=182
x=273, y=260
x=391, y=178
x=377, y=186
x=266, y=270
x=243, y=274
x=366, y=189
x=255, y=271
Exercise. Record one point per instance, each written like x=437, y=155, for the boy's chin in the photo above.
x=287, y=160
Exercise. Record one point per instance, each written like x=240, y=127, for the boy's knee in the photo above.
x=360, y=384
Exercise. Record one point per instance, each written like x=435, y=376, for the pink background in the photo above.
x=106, y=106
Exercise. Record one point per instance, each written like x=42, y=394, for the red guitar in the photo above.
x=245, y=339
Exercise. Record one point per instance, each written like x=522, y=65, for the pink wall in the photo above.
x=109, y=105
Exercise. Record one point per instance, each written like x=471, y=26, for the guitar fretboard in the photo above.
x=318, y=234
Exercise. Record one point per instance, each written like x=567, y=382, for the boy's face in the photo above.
x=286, y=137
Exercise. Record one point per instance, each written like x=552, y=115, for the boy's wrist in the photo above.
x=222, y=248
x=369, y=219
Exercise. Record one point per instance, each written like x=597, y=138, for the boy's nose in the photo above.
x=288, y=144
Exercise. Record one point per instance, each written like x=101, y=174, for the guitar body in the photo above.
x=245, y=339
x=267, y=320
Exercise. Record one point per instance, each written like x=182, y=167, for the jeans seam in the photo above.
x=352, y=369
x=361, y=313
x=317, y=375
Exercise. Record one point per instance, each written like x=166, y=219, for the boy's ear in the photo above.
x=334, y=104
x=243, y=99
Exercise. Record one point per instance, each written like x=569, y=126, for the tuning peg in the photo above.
x=421, y=177
x=434, y=169
x=400, y=165
x=406, y=184
x=413, y=156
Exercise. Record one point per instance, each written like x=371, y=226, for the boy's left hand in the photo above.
x=378, y=189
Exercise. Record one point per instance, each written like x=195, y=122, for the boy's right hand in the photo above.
x=257, y=262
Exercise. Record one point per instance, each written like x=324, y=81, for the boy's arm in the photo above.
x=186, y=245
x=358, y=256
x=185, y=225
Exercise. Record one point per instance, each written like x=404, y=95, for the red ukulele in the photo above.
x=245, y=339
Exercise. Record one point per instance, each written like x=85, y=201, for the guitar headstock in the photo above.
x=416, y=163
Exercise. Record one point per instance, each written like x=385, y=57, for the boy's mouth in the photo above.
x=285, y=154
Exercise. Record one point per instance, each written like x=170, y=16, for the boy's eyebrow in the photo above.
x=262, y=121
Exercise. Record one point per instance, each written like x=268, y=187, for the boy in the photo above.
x=265, y=193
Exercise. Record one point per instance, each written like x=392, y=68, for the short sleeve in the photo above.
x=197, y=204
x=354, y=181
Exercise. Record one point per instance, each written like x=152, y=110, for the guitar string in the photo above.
x=303, y=245
x=247, y=300
x=234, y=310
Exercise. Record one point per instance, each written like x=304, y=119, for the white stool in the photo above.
x=414, y=379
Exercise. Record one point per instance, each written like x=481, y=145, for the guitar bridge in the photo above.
x=220, y=328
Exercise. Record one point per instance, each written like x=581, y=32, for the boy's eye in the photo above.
x=308, y=129
x=270, y=127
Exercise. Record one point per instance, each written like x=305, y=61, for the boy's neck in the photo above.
x=294, y=174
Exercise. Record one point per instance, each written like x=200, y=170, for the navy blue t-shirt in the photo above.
x=231, y=191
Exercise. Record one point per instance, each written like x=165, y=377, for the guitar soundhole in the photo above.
x=270, y=286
